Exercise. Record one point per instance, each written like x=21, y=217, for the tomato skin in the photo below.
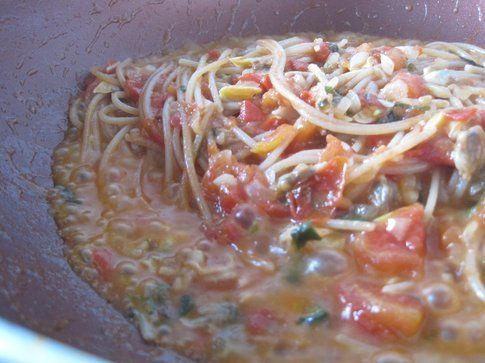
x=322, y=51
x=296, y=65
x=175, y=120
x=110, y=67
x=258, y=322
x=436, y=151
x=104, y=263
x=250, y=112
x=388, y=317
x=266, y=83
x=461, y=114
x=158, y=100
x=153, y=130
x=213, y=54
x=224, y=231
x=317, y=197
x=396, y=55
x=135, y=81
x=251, y=77
x=263, y=80
x=90, y=83
x=415, y=83
x=369, y=99
x=374, y=141
x=272, y=123
x=307, y=96
x=397, y=246
x=307, y=137
x=467, y=114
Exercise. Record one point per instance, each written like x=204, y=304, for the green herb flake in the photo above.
x=67, y=194
x=254, y=228
x=330, y=90
x=304, y=233
x=421, y=108
x=294, y=272
x=318, y=316
x=155, y=302
x=410, y=107
x=182, y=88
x=186, y=305
x=411, y=67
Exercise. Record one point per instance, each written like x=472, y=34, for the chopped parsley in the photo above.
x=317, y=316
x=304, y=233
x=186, y=305
x=182, y=88
x=410, y=107
x=411, y=67
x=155, y=302
x=331, y=90
x=67, y=194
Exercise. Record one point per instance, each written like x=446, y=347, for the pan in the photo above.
x=46, y=48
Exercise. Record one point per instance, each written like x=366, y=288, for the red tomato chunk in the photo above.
x=396, y=246
x=385, y=316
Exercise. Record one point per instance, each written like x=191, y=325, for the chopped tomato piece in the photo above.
x=250, y=112
x=259, y=321
x=335, y=148
x=90, y=83
x=265, y=198
x=135, y=81
x=213, y=54
x=272, y=123
x=110, y=67
x=375, y=141
x=395, y=54
x=468, y=114
x=414, y=82
x=249, y=186
x=322, y=51
x=369, y=100
x=317, y=197
x=277, y=137
x=153, y=130
x=226, y=196
x=157, y=100
x=396, y=246
x=307, y=96
x=386, y=316
x=436, y=151
x=206, y=91
x=266, y=83
x=251, y=77
x=306, y=137
x=263, y=80
x=296, y=65
x=104, y=262
x=175, y=120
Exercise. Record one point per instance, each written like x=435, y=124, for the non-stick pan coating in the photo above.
x=46, y=47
